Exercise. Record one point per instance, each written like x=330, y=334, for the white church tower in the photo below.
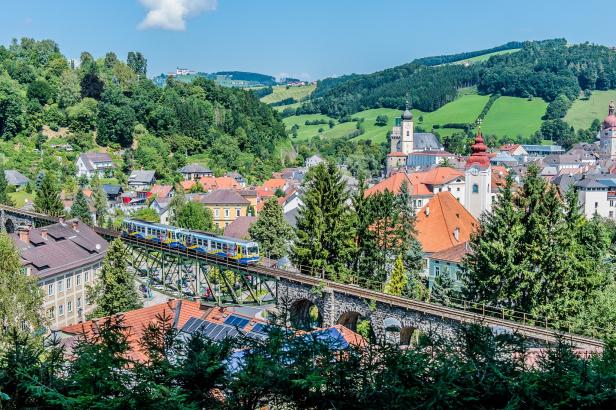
x=608, y=134
x=406, y=137
x=478, y=179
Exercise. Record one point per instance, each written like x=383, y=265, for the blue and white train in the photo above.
x=243, y=252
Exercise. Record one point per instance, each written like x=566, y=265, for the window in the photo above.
x=51, y=312
x=596, y=204
x=78, y=279
x=61, y=285
x=238, y=211
x=216, y=213
x=50, y=289
x=226, y=212
x=449, y=188
x=86, y=276
x=78, y=302
x=437, y=270
x=69, y=306
x=69, y=283
x=60, y=310
x=611, y=214
x=458, y=189
x=475, y=189
x=408, y=133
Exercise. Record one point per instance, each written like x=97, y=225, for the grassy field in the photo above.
x=20, y=197
x=464, y=109
x=485, y=57
x=583, y=112
x=281, y=92
x=513, y=116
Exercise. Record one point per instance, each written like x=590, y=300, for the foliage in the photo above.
x=99, y=198
x=194, y=215
x=272, y=231
x=47, y=198
x=21, y=298
x=5, y=199
x=80, y=208
x=396, y=284
x=147, y=214
x=115, y=290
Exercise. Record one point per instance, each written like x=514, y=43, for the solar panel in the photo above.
x=236, y=321
x=260, y=328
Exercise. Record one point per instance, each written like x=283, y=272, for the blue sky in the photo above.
x=307, y=38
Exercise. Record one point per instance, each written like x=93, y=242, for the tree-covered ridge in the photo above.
x=452, y=58
x=543, y=69
x=114, y=102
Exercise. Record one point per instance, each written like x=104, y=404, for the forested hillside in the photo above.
x=544, y=69
x=111, y=104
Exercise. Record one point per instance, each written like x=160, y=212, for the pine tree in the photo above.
x=325, y=237
x=398, y=279
x=80, y=208
x=47, y=198
x=405, y=231
x=21, y=298
x=5, y=199
x=364, y=236
x=272, y=231
x=115, y=290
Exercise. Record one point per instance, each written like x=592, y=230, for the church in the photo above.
x=405, y=144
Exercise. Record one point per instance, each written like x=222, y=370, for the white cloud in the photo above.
x=172, y=14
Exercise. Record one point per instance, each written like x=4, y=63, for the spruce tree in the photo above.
x=364, y=236
x=100, y=201
x=5, y=199
x=47, y=198
x=115, y=290
x=325, y=237
x=398, y=279
x=272, y=231
x=80, y=208
x=405, y=231
x=21, y=298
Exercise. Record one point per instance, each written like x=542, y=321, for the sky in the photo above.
x=308, y=39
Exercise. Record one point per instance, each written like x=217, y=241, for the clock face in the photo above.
x=474, y=171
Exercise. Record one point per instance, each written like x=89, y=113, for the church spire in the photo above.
x=479, y=156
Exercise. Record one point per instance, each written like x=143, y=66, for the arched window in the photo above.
x=475, y=188
x=408, y=133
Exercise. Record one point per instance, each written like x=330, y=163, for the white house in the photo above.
x=94, y=163
x=141, y=180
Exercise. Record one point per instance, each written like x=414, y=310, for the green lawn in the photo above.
x=20, y=197
x=464, y=109
x=514, y=116
x=281, y=92
x=583, y=112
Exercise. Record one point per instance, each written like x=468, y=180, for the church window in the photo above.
x=475, y=189
x=408, y=133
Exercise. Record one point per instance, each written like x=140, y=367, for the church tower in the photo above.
x=406, y=134
x=608, y=134
x=478, y=179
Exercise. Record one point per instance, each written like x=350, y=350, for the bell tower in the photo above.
x=406, y=137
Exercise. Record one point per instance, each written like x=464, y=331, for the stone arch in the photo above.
x=305, y=314
x=408, y=334
x=391, y=328
x=9, y=226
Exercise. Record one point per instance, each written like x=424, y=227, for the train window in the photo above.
x=253, y=250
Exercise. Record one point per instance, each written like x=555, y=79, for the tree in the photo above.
x=47, y=199
x=21, y=298
x=12, y=107
x=398, y=280
x=69, y=90
x=272, y=231
x=325, y=237
x=5, y=199
x=137, y=62
x=115, y=290
x=80, y=208
x=381, y=120
x=147, y=214
x=99, y=198
x=116, y=119
x=194, y=215
x=41, y=91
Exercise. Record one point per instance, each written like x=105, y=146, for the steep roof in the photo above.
x=89, y=159
x=224, y=197
x=14, y=177
x=453, y=254
x=161, y=191
x=441, y=220
x=426, y=141
x=226, y=182
x=141, y=176
x=436, y=176
x=394, y=183
x=194, y=169
x=60, y=247
x=239, y=228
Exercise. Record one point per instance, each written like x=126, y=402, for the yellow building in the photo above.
x=226, y=206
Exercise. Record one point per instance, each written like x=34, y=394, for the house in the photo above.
x=238, y=178
x=444, y=223
x=517, y=151
x=64, y=258
x=141, y=180
x=427, y=159
x=113, y=192
x=162, y=208
x=419, y=192
x=226, y=205
x=94, y=163
x=238, y=229
x=543, y=150
x=161, y=191
x=447, y=262
x=212, y=183
x=313, y=160
x=15, y=178
x=192, y=172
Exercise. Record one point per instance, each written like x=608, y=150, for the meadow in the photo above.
x=281, y=92
x=512, y=116
x=583, y=112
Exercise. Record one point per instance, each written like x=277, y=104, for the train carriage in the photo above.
x=244, y=252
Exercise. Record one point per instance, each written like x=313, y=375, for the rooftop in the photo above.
x=224, y=197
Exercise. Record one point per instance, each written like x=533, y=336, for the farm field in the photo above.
x=464, y=109
x=583, y=112
x=514, y=116
x=281, y=92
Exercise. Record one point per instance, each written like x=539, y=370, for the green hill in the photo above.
x=514, y=116
x=283, y=92
x=583, y=112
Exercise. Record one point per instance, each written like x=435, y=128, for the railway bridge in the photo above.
x=309, y=299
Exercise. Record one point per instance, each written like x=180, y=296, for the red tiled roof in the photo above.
x=453, y=254
x=211, y=183
x=397, y=154
x=436, y=176
x=394, y=183
x=437, y=222
x=186, y=185
x=161, y=191
x=274, y=183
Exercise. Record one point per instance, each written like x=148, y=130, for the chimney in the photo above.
x=427, y=211
x=61, y=220
x=75, y=224
x=24, y=233
x=44, y=233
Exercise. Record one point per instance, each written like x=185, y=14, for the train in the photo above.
x=241, y=251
